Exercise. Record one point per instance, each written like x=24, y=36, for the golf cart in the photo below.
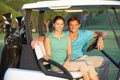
x=32, y=64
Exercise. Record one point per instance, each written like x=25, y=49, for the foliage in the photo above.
x=51, y=15
x=5, y=9
x=17, y=4
x=97, y=12
x=47, y=16
x=34, y=19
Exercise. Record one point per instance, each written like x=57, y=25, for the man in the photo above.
x=80, y=38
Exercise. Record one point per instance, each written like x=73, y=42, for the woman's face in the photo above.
x=58, y=25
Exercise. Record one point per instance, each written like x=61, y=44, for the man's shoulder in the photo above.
x=66, y=32
x=84, y=31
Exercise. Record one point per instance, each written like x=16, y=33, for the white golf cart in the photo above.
x=31, y=65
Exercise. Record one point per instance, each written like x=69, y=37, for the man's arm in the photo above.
x=100, y=36
x=36, y=40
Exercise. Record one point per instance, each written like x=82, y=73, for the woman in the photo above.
x=58, y=47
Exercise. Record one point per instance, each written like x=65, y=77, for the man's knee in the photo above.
x=106, y=62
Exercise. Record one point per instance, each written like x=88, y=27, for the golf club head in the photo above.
x=19, y=20
x=7, y=17
x=21, y=26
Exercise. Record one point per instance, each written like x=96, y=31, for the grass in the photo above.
x=1, y=43
x=110, y=47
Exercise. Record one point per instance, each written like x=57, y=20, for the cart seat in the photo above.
x=40, y=53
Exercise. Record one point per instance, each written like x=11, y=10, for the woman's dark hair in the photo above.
x=73, y=18
x=58, y=17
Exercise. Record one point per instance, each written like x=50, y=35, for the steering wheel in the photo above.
x=65, y=73
x=93, y=45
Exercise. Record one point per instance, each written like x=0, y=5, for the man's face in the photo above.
x=74, y=26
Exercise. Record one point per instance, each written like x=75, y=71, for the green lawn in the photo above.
x=110, y=47
x=1, y=43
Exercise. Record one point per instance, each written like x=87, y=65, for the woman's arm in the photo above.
x=69, y=53
x=69, y=56
x=47, y=48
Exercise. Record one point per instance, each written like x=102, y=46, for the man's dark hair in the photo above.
x=73, y=18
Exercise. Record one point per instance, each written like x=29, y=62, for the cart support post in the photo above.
x=28, y=26
x=117, y=17
x=40, y=23
x=112, y=27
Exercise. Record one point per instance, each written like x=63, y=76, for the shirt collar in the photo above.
x=53, y=35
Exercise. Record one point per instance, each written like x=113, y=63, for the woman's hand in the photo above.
x=69, y=55
x=47, y=57
x=66, y=64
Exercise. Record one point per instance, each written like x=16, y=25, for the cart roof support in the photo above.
x=28, y=26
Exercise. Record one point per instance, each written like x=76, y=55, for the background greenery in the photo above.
x=97, y=20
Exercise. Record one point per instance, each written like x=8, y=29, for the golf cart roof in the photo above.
x=71, y=5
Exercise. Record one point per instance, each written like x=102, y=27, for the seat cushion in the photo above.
x=76, y=74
